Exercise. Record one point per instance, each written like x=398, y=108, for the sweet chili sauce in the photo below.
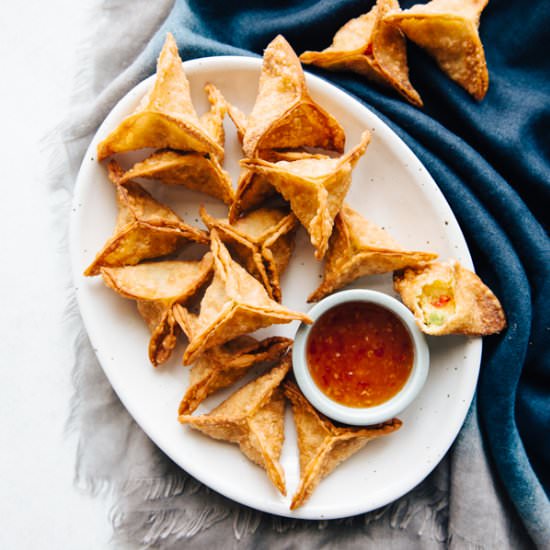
x=359, y=354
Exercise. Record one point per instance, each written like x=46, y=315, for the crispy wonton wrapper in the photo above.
x=252, y=417
x=447, y=298
x=166, y=117
x=222, y=366
x=358, y=247
x=234, y=304
x=239, y=120
x=163, y=326
x=368, y=45
x=144, y=229
x=322, y=445
x=212, y=120
x=254, y=188
x=195, y=171
x=157, y=286
x=448, y=31
x=315, y=188
x=263, y=240
x=284, y=115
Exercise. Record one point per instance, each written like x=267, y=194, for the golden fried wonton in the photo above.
x=322, y=445
x=254, y=188
x=144, y=229
x=284, y=115
x=192, y=170
x=252, y=417
x=157, y=286
x=222, y=366
x=447, y=298
x=448, y=31
x=368, y=45
x=358, y=247
x=234, y=304
x=315, y=188
x=166, y=117
x=263, y=240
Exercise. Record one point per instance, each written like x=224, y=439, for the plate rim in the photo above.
x=386, y=133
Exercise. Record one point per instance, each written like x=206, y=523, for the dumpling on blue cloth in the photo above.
x=371, y=47
x=448, y=31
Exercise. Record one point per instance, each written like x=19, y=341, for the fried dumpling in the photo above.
x=222, y=366
x=254, y=188
x=157, y=286
x=448, y=31
x=234, y=304
x=144, y=229
x=253, y=418
x=322, y=445
x=195, y=171
x=370, y=46
x=447, y=298
x=263, y=240
x=166, y=117
x=358, y=247
x=284, y=115
x=315, y=188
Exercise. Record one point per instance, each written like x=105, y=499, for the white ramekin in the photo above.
x=367, y=415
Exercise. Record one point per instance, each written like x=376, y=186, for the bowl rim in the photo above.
x=361, y=416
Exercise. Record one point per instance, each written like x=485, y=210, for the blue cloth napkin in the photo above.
x=491, y=160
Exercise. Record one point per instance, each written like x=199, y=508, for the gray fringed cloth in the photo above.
x=157, y=505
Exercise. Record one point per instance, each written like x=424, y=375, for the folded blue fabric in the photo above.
x=492, y=162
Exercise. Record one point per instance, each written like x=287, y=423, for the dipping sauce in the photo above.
x=359, y=354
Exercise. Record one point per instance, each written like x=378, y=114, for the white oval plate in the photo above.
x=391, y=188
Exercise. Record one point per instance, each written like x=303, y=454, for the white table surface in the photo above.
x=40, y=507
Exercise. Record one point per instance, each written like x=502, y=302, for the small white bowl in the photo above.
x=367, y=415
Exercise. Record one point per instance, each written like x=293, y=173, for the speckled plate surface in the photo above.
x=391, y=188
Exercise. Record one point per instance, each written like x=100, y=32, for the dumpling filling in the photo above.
x=437, y=303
